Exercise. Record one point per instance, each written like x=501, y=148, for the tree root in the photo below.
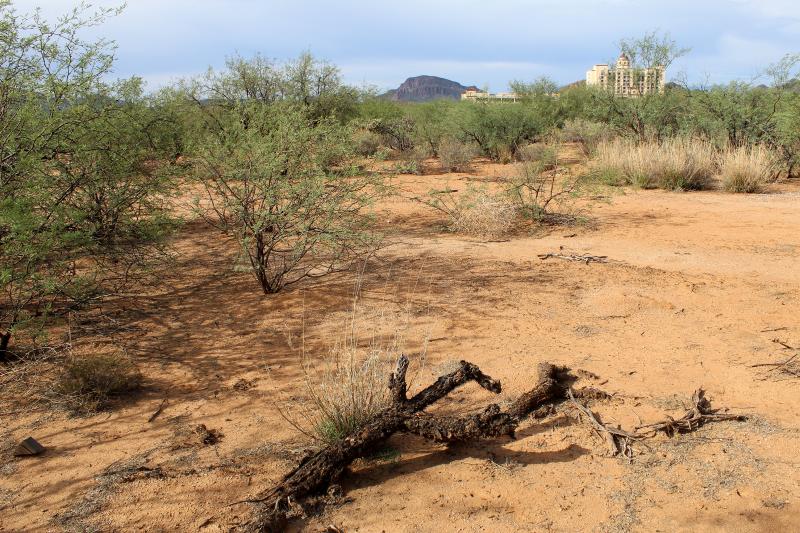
x=700, y=414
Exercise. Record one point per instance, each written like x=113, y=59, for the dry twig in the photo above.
x=700, y=413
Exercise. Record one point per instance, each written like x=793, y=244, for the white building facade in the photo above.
x=625, y=81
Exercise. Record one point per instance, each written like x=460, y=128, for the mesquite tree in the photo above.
x=80, y=195
x=284, y=184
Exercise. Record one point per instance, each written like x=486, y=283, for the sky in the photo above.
x=486, y=43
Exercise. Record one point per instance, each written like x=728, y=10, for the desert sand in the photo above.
x=698, y=288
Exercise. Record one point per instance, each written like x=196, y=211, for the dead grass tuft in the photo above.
x=677, y=164
x=348, y=385
x=87, y=384
x=455, y=156
x=746, y=169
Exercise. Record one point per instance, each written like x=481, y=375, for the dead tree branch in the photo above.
x=583, y=258
x=619, y=440
x=700, y=414
x=315, y=473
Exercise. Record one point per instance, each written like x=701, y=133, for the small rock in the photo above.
x=29, y=446
x=209, y=437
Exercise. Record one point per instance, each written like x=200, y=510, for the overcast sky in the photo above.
x=489, y=42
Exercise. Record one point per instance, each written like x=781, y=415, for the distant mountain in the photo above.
x=426, y=88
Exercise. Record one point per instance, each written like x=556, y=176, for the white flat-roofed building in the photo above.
x=471, y=94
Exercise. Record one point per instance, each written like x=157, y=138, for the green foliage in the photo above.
x=314, y=84
x=82, y=206
x=498, y=129
x=587, y=133
x=284, y=183
x=430, y=124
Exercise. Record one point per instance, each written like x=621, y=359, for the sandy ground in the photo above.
x=698, y=287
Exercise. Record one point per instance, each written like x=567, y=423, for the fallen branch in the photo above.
x=316, y=472
x=785, y=345
x=158, y=411
x=584, y=258
x=619, y=440
x=700, y=414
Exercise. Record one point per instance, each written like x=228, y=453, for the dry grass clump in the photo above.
x=545, y=156
x=87, y=384
x=746, y=169
x=347, y=391
x=483, y=214
x=366, y=142
x=676, y=164
x=348, y=385
x=411, y=161
x=53, y=377
x=454, y=155
x=475, y=211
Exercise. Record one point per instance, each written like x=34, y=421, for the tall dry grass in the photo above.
x=347, y=384
x=746, y=169
x=684, y=164
x=677, y=164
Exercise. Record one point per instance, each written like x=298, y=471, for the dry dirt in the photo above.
x=697, y=288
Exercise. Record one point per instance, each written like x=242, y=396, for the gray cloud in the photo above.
x=471, y=41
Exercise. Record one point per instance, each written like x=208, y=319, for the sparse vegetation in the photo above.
x=126, y=211
x=676, y=164
x=746, y=169
x=87, y=384
x=455, y=155
x=538, y=190
x=347, y=386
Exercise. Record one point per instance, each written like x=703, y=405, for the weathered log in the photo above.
x=314, y=474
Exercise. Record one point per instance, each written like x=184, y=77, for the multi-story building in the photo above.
x=626, y=81
x=474, y=95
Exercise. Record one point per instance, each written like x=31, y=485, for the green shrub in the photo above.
x=498, y=129
x=587, y=133
x=454, y=155
x=411, y=161
x=544, y=156
x=366, y=143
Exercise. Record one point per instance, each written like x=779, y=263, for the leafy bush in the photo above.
x=287, y=188
x=747, y=169
x=411, y=162
x=366, y=143
x=454, y=155
x=587, y=133
x=83, y=178
x=544, y=156
x=88, y=384
x=498, y=129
